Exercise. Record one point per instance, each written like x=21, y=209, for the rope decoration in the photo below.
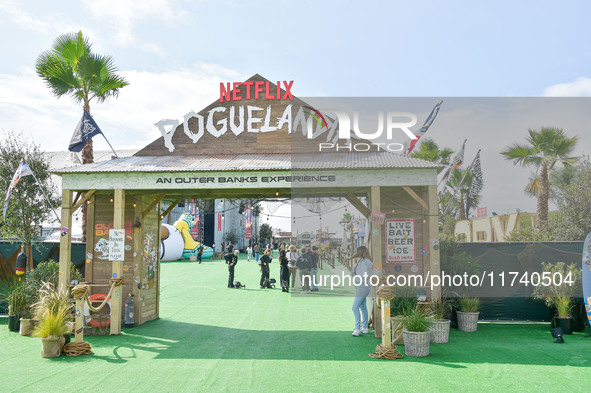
x=82, y=290
x=385, y=292
x=77, y=349
x=386, y=353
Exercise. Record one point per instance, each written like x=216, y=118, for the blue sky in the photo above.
x=175, y=53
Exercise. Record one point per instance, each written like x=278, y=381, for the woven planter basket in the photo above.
x=440, y=331
x=467, y=321
x=416, y=343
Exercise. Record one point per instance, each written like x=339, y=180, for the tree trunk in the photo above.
x=542, y=212
x=87, y=158
x=462, y=207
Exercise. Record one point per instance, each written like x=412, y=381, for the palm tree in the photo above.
x=454, y=197
x=545, y=148
x=428, y=150
x=70, y=68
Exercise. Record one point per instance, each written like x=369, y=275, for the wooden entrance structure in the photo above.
x=126, y=193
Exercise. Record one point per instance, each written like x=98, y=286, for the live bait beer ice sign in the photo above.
x=400, y=240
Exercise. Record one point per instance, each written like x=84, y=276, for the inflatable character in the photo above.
x=177, y=243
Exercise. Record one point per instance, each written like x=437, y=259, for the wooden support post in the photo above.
x=65, y=241
x=433, y=222
x=116, y=267
x=79, y=321
x=376, y=254
x=90, y=234
x=386, y=326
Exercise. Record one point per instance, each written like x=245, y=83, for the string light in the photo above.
x=276, y=193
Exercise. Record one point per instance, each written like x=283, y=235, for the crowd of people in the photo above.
x=306, y=262
x=291, y=261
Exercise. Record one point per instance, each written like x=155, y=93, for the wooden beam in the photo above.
x=78, y=194
x=152, y=205
x=381, y=326
x=417, y=198
x=65, y=241
x=169, y=209
x=84, y=199
x=116, y=267
x=358, y=204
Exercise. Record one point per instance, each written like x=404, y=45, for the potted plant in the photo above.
x=16, y=304
x=440, y=328
x=53, y=311
x=405, y=298
x=560, y=297
x=468, y=314
x=417, y=336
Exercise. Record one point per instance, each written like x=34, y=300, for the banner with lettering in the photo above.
x=400, y=241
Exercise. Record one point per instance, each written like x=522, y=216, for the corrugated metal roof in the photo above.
x=251, y=162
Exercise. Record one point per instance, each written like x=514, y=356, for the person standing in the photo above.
x=257, y=251
x=292, y=257
x=362, y=268
x=265, y=261
x=315, y=257
x=230, y=248
x=249, y=252
x=304, y=264
x=199, y=252
x=284, y=271
x=231, y=260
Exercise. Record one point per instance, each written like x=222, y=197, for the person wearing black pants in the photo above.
x=284, y=273
x=231, y=260
x=199, y=252
x=265, y=261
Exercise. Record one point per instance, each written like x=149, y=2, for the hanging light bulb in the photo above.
x=424, y=220
x=134, y=204
x=277, y=193
x=111, y=200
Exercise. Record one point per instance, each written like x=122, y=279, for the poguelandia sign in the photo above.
x=334, y=128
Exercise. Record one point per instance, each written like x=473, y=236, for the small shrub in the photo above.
x=417, y=320
x=469, y=304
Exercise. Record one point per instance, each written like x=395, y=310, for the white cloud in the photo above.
x=123, y=15
x=581, y=87
x=27, y=105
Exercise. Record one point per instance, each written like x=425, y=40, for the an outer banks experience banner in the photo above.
x=400, y=240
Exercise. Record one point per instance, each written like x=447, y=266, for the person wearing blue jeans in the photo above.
x=362, y=268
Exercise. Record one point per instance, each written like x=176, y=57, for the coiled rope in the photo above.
x=386, y=353
x=77, y=349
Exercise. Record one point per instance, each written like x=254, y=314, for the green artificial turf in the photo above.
x=215, y=339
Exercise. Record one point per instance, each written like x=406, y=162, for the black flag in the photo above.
x=85, y=130
x=476, y=185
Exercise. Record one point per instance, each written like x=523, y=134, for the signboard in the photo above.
x=481, y=212
x=116, y=244
x=378, y=218
x=400, y=241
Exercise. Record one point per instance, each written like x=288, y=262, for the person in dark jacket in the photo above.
x=304, y=264
x=265, y=261
x=231, y=260
x=315, y=257
x=199, y=252
x=284, y=273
